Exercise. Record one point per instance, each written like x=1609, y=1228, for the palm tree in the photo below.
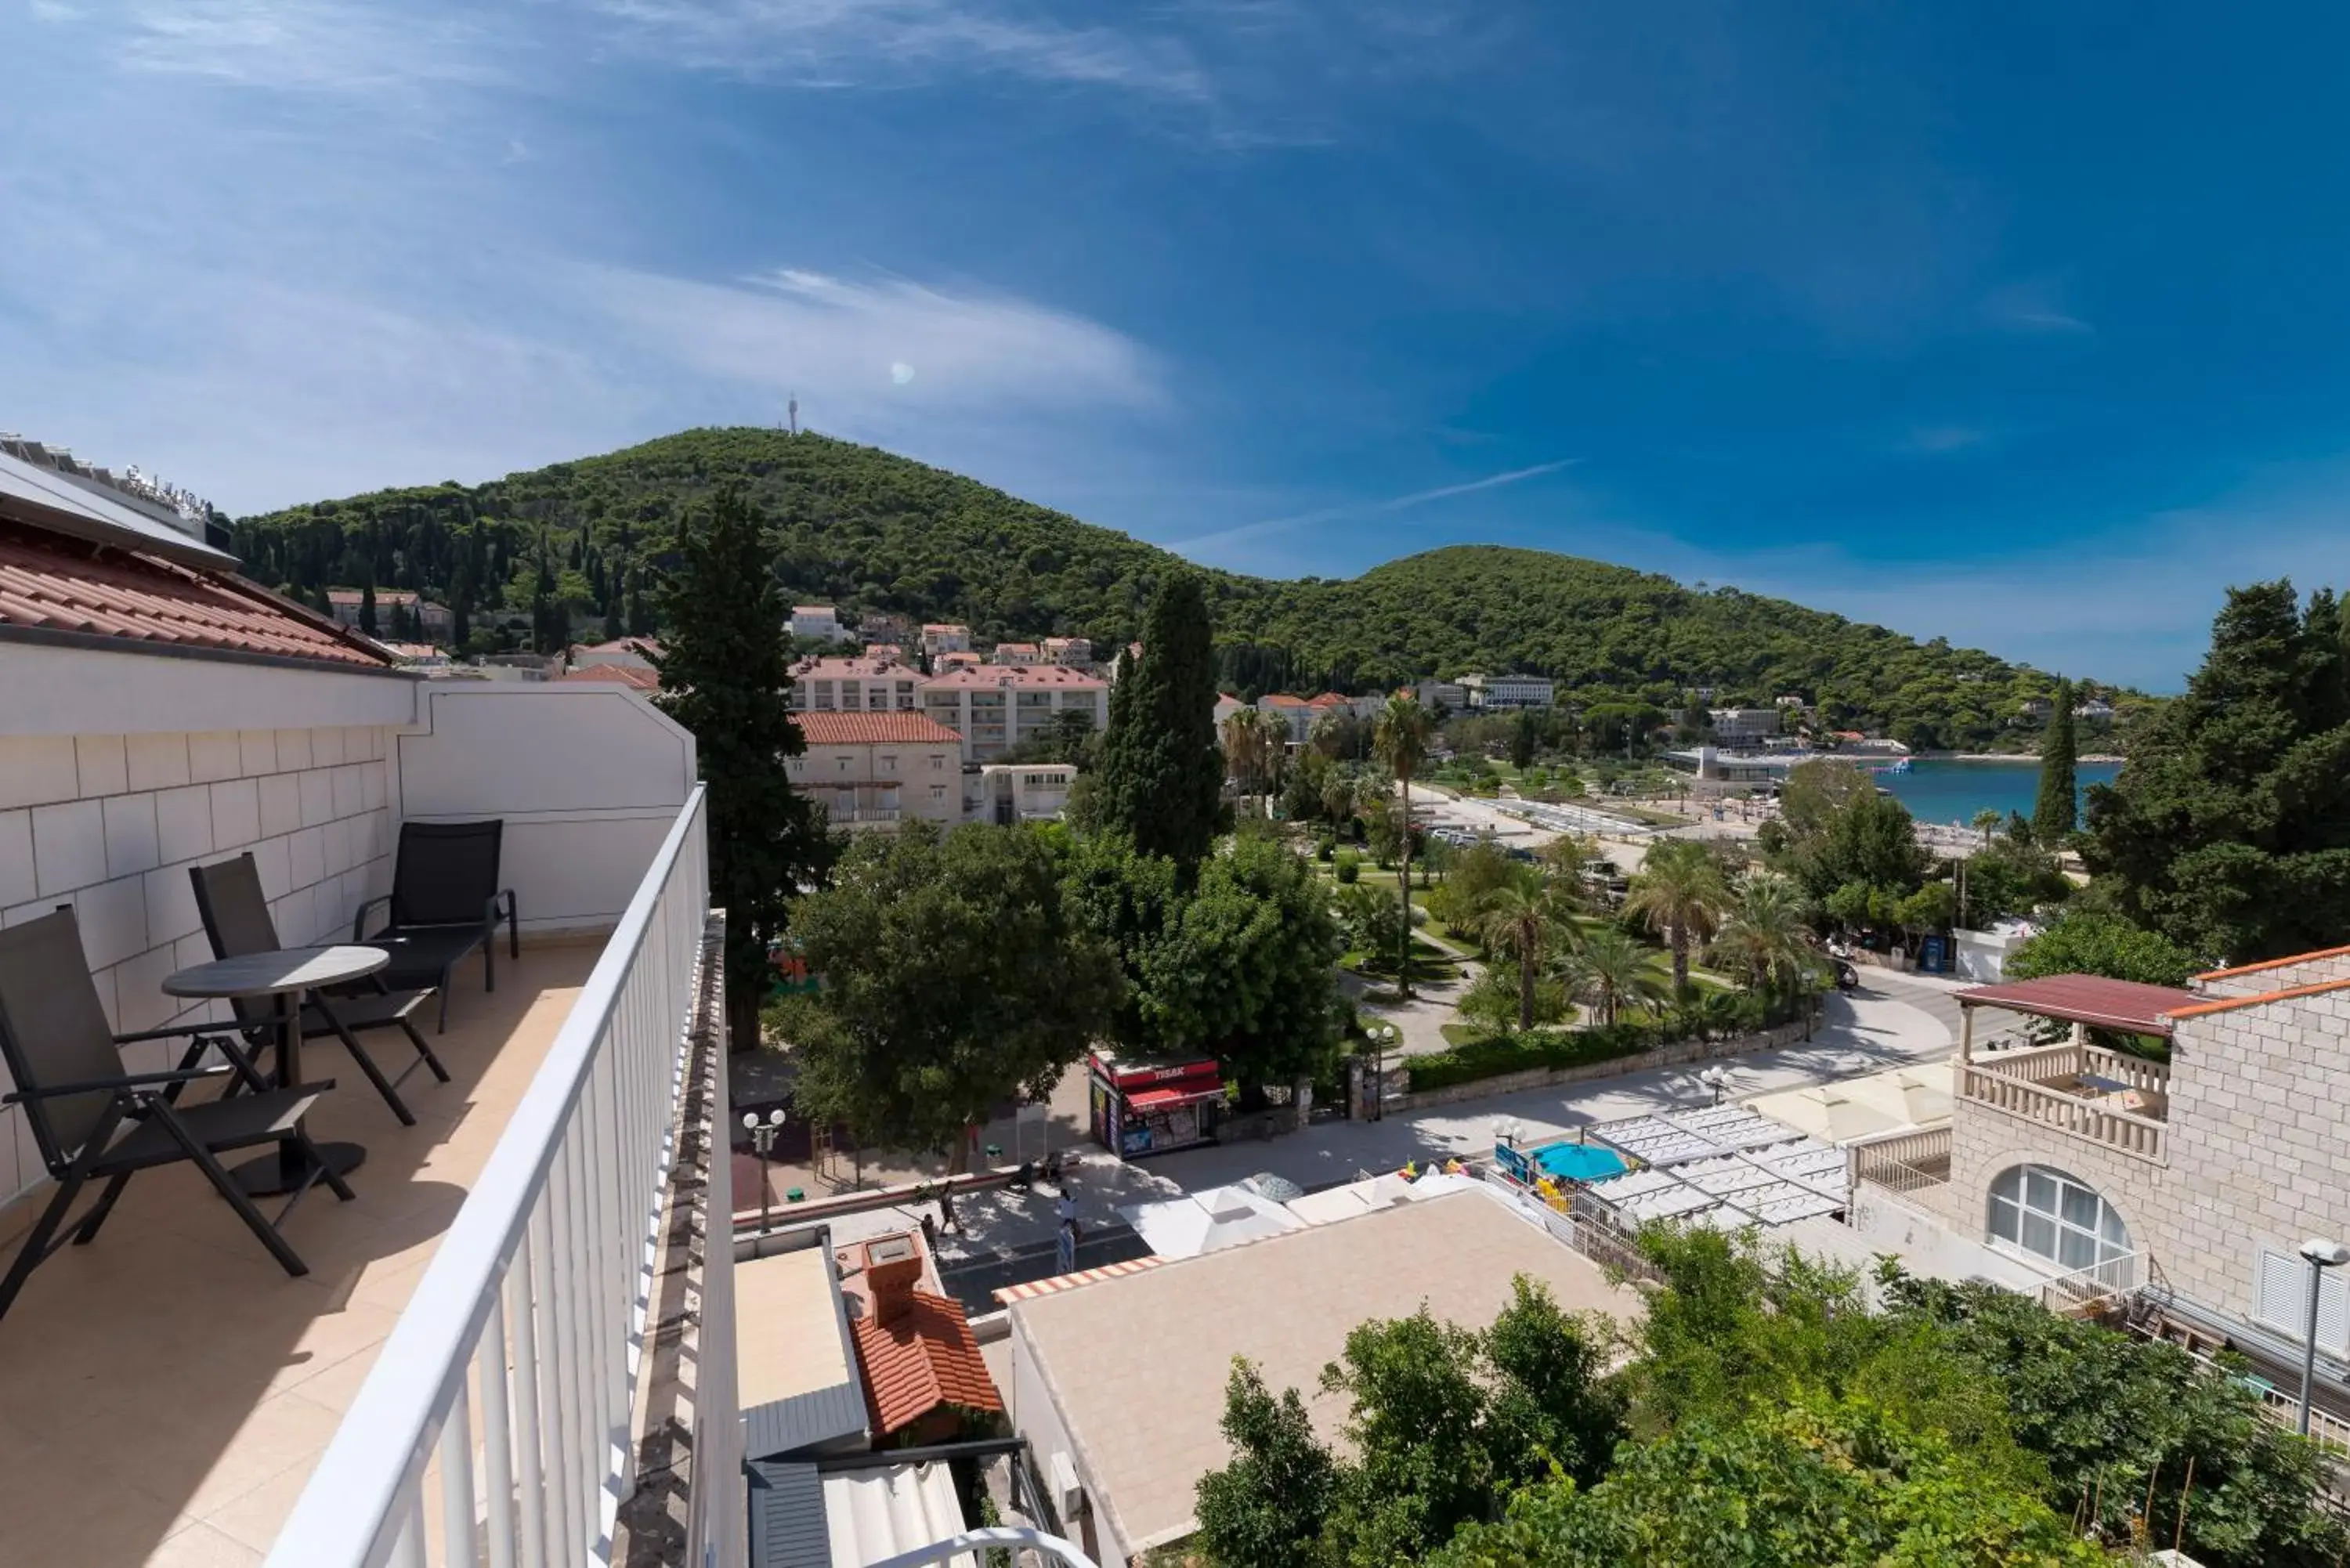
x=1763, y=940
x=1524, y=920
x=1608, y=969
x=1338, y=798
x=1252, y=746
x=1679, y=893
x=1401, y=738
x=1986, y=822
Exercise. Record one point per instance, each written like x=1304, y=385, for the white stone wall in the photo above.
x=2256, y=1153
x=2259, y=1156
x=111, y=823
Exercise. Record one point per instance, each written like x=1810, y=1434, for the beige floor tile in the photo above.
x=165, y=1392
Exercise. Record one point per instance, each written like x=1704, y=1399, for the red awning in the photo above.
x=2089, y=999
x=1168, y=1099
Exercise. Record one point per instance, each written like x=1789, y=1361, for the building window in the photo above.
x=890, y=762
x=2059, y=1218
x=2281, y=1301
x=844, y=764
x=938, y=791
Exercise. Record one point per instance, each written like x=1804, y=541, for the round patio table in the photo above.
x=286, y=977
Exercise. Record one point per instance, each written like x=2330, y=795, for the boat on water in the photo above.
x=1900, y=766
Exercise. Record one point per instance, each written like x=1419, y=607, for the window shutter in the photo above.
x=2277, y=1296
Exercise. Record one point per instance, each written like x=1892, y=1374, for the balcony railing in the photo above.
x=1904, y=1162
x=495, y=1424
x=2098, y=1281
x=2070, y=1088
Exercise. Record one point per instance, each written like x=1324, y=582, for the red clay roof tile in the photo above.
x=53, y=582
x=927, y=1358
x=904, y=726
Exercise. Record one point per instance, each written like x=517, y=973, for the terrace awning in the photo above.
x=2087, y=999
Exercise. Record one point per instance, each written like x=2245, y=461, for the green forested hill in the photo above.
x=536, y=556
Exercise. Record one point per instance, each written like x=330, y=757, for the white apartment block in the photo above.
x=1449, y=694
x=1008, y=792
x=1502, y=692
x=876, y=769
x=995, y=707
x=854, y=685
x=1294, y=714
x=819, y=621
x=945, y=636
x=1735, y=726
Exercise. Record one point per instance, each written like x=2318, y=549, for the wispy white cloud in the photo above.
x=2035, y=307
x=330, y=45
x=1356, y=509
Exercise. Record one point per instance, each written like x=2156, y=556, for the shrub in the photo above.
x=1347, y=867
x=1493, y=998
x=1553, y=1048
x=1325, y=846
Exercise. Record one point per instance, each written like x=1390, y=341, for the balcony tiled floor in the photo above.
x=166, y=1391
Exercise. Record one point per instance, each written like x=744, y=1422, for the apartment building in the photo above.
x=995, y=707
x=819, y=621
x=1007, y=793
x=880, y=626
x=2189, y=1183
x=1491, y=693
x=1074, y=651
x=854, y=684
x=1226, y=706
x=878, y=768
x=945, y=636
x=1742, y=726
x=1452, y=694
x=1016, y=653
x=433, y=621
x=1296, y=713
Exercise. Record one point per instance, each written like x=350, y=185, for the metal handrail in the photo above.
x=537, y=1238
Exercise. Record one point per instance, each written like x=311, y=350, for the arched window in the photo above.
x=2049, y=1214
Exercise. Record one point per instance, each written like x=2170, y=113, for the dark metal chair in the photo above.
x=237, y=922
x=444, y=902
x=91, y=1120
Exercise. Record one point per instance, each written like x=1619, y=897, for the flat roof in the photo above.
x=1137, y=1364
x=2089, y=999
x=796, y=1385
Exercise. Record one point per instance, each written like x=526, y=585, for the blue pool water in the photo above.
x=1945, y=792
x=1579, y=1162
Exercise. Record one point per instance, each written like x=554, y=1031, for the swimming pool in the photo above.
x=1579, y=1161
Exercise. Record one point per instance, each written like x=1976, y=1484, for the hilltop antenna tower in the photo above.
x=793, y=407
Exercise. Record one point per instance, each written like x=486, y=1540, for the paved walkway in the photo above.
x=1881, y=1026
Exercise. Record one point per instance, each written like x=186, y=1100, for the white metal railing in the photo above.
x=2113, y=1277
x=503, y=1393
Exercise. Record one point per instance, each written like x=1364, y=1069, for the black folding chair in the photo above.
x=237, y=922
x=91, y=1120
x=445, y=901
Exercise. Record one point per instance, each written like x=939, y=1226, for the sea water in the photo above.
x=1940, y=791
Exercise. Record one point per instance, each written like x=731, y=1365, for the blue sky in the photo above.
x=2022, y=325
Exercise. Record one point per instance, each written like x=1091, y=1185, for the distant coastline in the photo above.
x=2010, y=757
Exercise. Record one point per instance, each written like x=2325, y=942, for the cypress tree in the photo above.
x=1161, y=778
x=726, y=676
x=2056, y=812
x=367, y=603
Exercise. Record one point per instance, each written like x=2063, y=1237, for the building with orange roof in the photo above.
x=945, y=636
x=1069, y=650
x=877, y=769
x=635, y=677
x=995, y=707
x=2186, y=1177
x=925, y=1381
x=1296, y=712
x=1016, y=653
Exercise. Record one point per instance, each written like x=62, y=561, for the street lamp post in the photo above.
x=1717, y=1078
x=2321, y=1255
x=763, y=1138
x=1382, y=1037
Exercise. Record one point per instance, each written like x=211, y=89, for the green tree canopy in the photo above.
x=2228, y=829
x=2053, y=813
x=726, y=675
x=955, y=976
x=1162, y=776
x=2087, y=941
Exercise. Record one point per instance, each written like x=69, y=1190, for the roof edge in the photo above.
x=2267, y=964
x=2231, y=1003
x=104, y=642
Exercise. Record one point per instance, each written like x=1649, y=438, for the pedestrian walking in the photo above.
x=946, y=1209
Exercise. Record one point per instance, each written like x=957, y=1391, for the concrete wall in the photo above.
x=2314, y=970
x=110, y=822
x=587, y=777
x=1037, y=1416
x=2258, y=1156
